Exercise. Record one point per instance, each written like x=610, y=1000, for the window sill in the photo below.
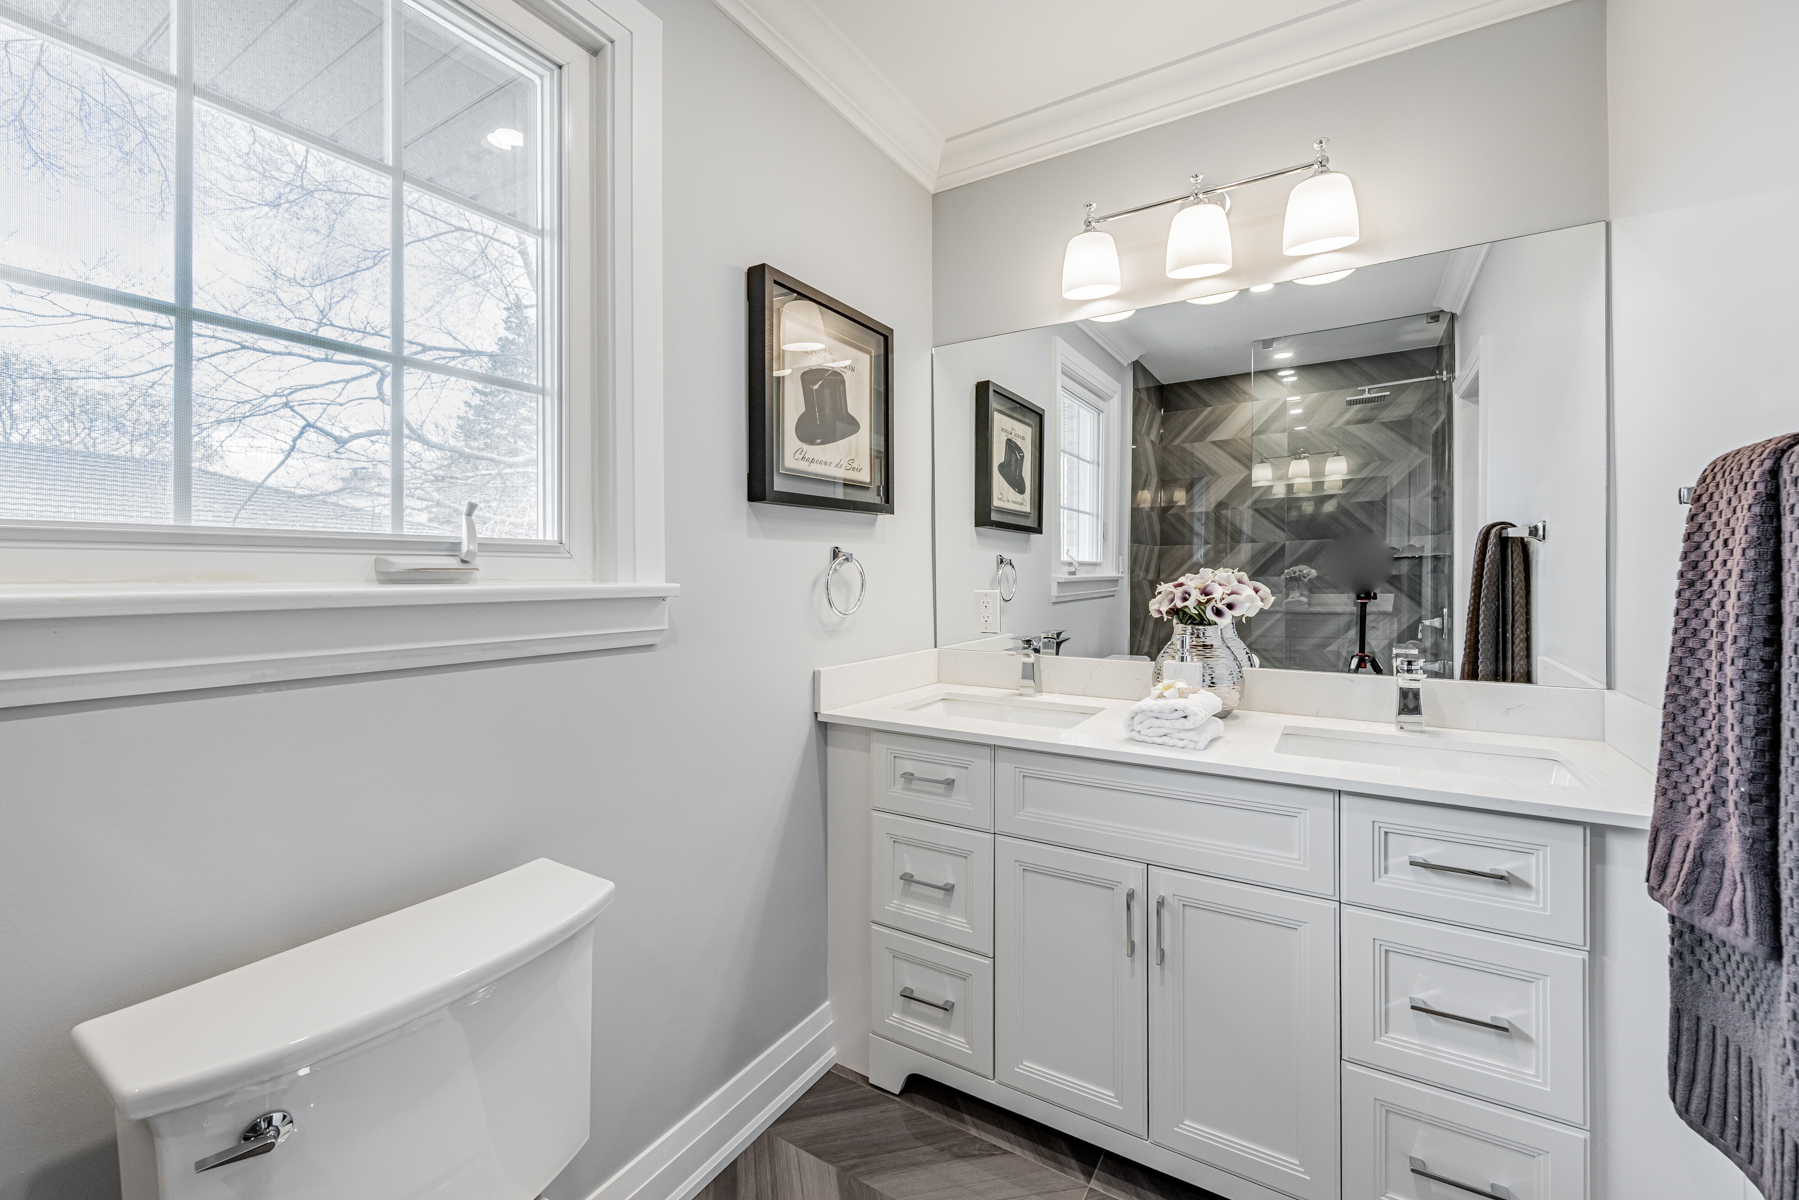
x=1082, y=587
x=61, y=645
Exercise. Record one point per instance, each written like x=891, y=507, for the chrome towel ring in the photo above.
x=1001, y=563
x=839, y=556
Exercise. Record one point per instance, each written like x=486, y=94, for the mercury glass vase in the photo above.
x=1203, y=656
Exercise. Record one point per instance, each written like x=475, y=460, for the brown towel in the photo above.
x=1724, y=841
x=1496, y=637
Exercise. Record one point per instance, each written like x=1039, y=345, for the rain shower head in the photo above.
x=1367, y=397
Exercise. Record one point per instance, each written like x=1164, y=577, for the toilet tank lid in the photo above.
x=302, y=1005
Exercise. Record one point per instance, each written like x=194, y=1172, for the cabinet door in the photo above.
x=1243, y=1030
x=1071, y=967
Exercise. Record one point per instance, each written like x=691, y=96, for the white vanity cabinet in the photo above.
x=1265, y=989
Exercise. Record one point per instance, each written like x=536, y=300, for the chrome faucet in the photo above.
x=1408, y=673
x=1028, y=649
x=1050, y=641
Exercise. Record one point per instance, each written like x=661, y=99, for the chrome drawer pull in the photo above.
x=1418, y=860
x=1498, y=1023
x=1492, y=1191
x=1130, y=926
x=259, y=1137
x=906, y=993
x=911, y=779
x=945, y=888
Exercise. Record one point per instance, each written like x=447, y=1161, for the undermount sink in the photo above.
x=1020, y=711
x=1514, y=764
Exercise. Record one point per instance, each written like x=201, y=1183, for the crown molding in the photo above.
x=807, y=44
x=1335, y=35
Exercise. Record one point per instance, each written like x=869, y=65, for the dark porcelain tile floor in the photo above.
x=846, y=1140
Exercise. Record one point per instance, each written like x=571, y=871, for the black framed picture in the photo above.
x=1008, y=460
x=821, y=410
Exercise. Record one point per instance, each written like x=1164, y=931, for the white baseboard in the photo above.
x=686, y=1158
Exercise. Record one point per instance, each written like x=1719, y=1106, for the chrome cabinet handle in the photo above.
x=1498, y=1023
x=1492, y=1191
x=1130, y=926
x=906, y=993
x=910, y=779
x=1418, y=860
x=908, y=877
x=260, y=1136
x=1160, y=956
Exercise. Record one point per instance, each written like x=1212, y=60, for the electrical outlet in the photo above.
x=986, y=612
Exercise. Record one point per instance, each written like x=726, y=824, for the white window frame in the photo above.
x=85, y=617
x=1102, y=390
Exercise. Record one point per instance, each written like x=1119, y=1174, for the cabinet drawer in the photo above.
x=1497, y=1017
x=1244, y=829
x=933, y=880
x=1397, y=1134
x=933, y=999
x=1493, y=871
x=934, y=779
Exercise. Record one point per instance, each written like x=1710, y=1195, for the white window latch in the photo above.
x=437, y=568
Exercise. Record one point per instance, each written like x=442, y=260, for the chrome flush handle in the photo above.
x=260, y=1136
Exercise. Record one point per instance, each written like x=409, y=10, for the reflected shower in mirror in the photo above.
x=1413, y=452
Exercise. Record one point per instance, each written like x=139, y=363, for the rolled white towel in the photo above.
x=1190, y=723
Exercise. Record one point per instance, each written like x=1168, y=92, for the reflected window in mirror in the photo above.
x=1085, y=400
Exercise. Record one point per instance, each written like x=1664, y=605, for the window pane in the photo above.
x=287, y=437
x=287, y=235
x=317, y=64
x=471, y=290
x=137, y=28
x=468, y=441
x=85, y=406
x=88, y=161
x=471, y=119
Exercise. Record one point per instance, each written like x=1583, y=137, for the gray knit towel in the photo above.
x=1714, y=838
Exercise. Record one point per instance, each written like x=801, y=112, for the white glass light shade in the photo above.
x=1262, y=472
x=1299, y=468
x=1214, y=298
x=802, y=326
x=1262, y=287
x=1336, y=466
x=1199, y=242
x=1090, y=266
x=1327, y=277
x=1321, y=215
x=1117, y=316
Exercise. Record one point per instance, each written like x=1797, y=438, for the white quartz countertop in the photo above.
x=1619, y=793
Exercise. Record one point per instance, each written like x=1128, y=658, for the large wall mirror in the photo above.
x=1412, y=452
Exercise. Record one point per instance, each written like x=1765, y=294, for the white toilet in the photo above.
x=441, y=1052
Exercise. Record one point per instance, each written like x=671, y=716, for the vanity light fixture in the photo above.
x=506, y=139
x=1336, y=466
x=1300, y=467
x=1327, y=277
x=1117, y=316
x=1214, y=298
x=1262, y=287
x=1321, y=215
x=802, y=324
x=1262, y=472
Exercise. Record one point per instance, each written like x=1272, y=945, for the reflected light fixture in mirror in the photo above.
x=1300, y=467
x=1321, y=215
x=1216, y=298
x=1336, y=466
x=1327, y=277
x=1199, y=240
x=1117, y=316
x=802, y=326
x=1262, y=472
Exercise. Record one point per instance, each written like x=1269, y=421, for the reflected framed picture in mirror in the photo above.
x=820, y=388
x=1008, y=460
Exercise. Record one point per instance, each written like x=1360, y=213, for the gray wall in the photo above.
x=1487, y=135
x=148, y=846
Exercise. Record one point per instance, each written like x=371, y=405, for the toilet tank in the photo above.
x=441, y=1052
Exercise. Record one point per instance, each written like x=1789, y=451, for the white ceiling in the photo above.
x=956, y=91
